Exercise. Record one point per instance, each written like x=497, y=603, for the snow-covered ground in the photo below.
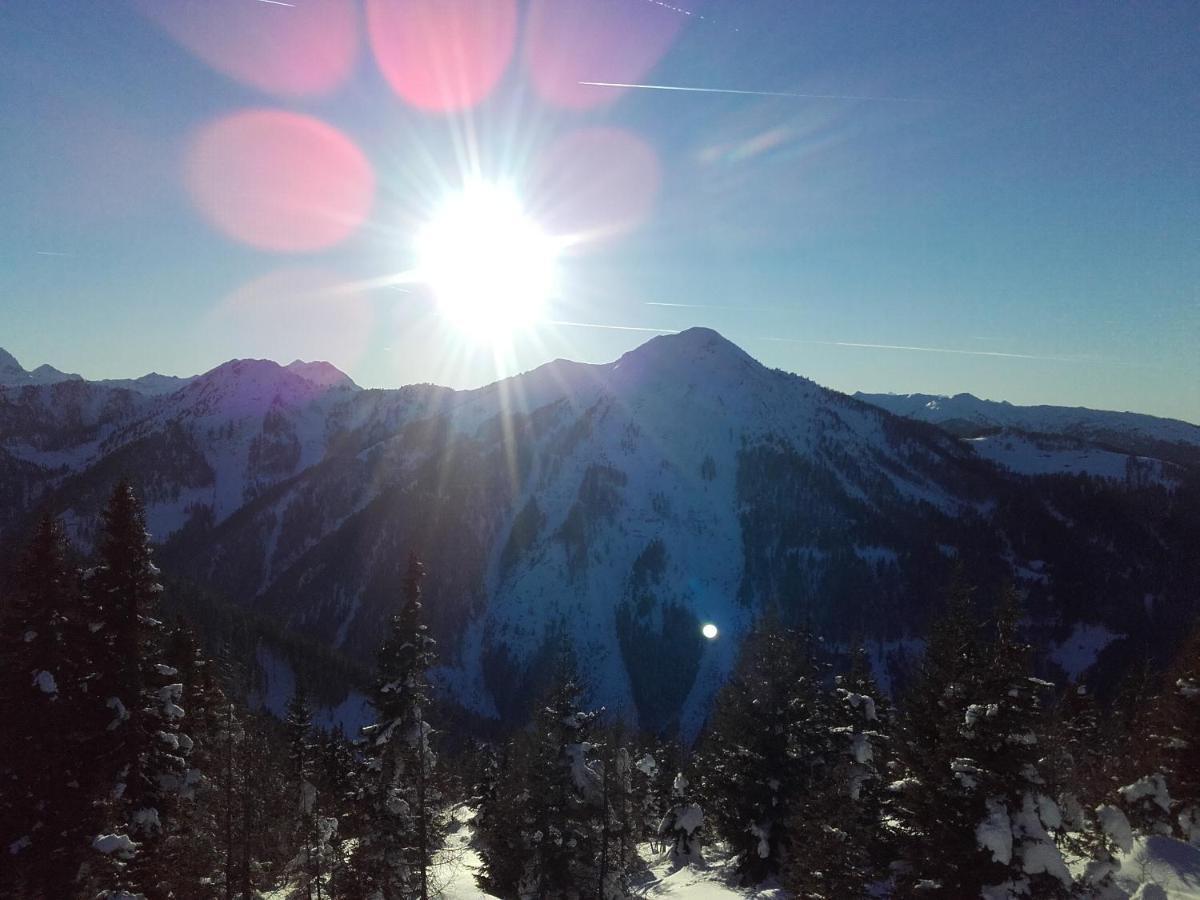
x=1155, y=868
x=1028, y=455
x=1160, y=868
x=711, y=880
x=1082, y=648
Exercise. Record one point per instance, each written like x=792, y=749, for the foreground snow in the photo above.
x=1160, y=868
x=711, y=880
x=1156, y=868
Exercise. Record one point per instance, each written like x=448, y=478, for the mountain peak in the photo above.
x=689, y=347
x=12, y=373
x=9, y=364
x=320, y=373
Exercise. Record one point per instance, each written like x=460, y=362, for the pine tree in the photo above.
x=142, y=745
x=1180, y=728
x=308, y=862
x=930, y=806
x=502, y=833
x=1160, y=791
x=401, y=821
x=561, y=821
x=840, y=846
x=767, y=757
x=337, y=779
x=971, y=757
x=681, y=824
x=618, y=855
x=45, y=807
x=649, y=801
x=1079, y=780
x=191, y=848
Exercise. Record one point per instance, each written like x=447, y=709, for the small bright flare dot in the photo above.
x=710, y=631
x=490, y=267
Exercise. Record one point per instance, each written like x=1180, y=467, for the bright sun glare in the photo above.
x=490, y=267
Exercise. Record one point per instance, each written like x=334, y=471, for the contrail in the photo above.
x=708, y=90
x=277, y=3
x=51, y=253
x=716, y=306
x=856, y=345
x=611, y=327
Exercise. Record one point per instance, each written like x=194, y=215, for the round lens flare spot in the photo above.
x=710, y=631
x=490, y=267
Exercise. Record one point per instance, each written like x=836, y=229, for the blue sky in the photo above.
x=1020, y=187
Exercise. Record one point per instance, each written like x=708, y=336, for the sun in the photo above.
x=489, y=266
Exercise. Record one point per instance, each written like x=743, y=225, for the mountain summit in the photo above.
x=618, y=507
x=12, y=374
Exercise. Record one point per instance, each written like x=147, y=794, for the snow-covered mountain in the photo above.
x=12, y=374
x=1042, y=440
x=620, y=506
x=968, y=414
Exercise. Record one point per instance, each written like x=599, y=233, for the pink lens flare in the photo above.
x=570, y=41
x=442, y=55
x=295, y=50
x=595, y=183
x=280, y=180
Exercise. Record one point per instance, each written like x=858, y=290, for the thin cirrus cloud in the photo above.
x=859, y=345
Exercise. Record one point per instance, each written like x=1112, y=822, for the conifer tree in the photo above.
x=840, y=846
x=973, y=785
x=561, y=819
x=1079, y=780
x=502, y=822
x=308, y=862
x=191, y=849
x=1180, y=729
x=401, y=827
x=1160, y=791
x=766, y=759
x=649, y=802
x=45, y=802
x=143, y=746
x=682, y=822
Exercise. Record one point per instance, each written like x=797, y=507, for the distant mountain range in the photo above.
x=621, y=506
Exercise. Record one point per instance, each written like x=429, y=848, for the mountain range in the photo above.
x=621, y=506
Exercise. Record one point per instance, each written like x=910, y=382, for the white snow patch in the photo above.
x=1082, y=648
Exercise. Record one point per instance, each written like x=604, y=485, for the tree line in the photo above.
x=131, y=766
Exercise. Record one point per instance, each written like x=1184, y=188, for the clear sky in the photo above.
x=1017, y=183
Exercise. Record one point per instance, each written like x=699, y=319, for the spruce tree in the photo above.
x=767, y=757
x=45, y=797
x=401, y=817
x=650, y=804
x=502, y=832
x=308, y=858
x=681, y=825
x=561, y=820
x=142, y=747
x=840, y=848
x=1180, y=729
x=1160, y=792
x=972, y=763
x=191, y=849
x=1080, y=767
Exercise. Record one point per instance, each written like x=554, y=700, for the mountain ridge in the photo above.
x=618, y=506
